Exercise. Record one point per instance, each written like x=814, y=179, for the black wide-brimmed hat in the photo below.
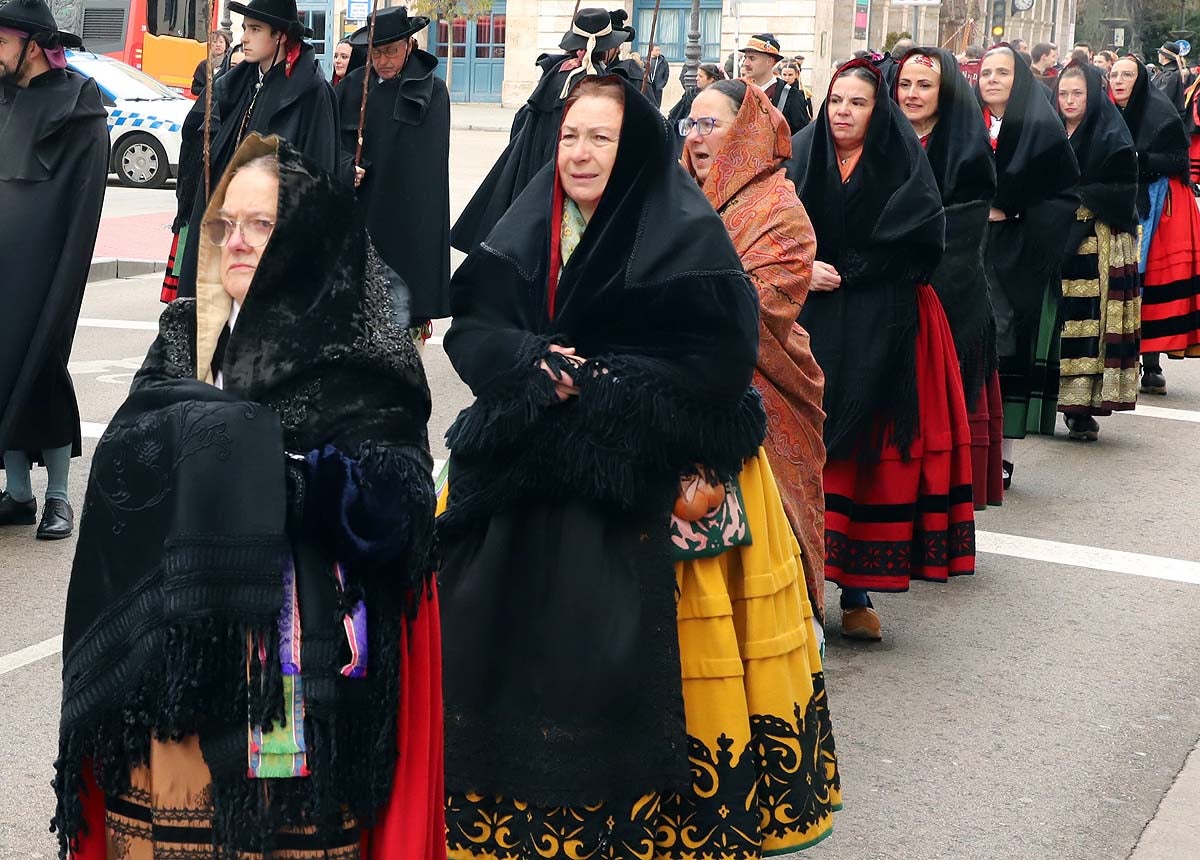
x=391, y=25
x=280, y=14
x=35, y=18
x=592, y=27
x=620, y=19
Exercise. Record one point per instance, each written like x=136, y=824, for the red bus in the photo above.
x=164, y=38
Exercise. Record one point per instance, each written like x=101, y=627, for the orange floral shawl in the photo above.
x=776, y=242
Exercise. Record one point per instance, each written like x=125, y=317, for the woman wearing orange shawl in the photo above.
x=735, y=145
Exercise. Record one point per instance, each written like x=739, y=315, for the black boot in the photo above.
x=1153, y=381
x=1083, y=427
x=14, y=513
x=58, y=520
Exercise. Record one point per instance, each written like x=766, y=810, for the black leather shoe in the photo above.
x=14, y=513
x=1153, y=381
x=58, y=521
x=1084, y=428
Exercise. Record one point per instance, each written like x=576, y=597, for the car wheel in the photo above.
x=141, y=162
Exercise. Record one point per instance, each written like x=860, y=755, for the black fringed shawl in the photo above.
x=191, y=512
x=961, y=157
x=562, y=674
x=1158, y=136
x=1104, y=149
x=1036, y=179
x=883, y=231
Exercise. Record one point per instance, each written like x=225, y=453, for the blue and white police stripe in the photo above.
x=137, y=120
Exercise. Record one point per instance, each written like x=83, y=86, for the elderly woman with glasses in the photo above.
x=252, y=606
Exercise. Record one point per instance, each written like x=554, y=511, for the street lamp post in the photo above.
x=226, y=21
x=692, y=51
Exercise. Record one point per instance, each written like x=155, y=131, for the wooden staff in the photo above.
x=650, y=46
x=208, y=85
x=362, y=108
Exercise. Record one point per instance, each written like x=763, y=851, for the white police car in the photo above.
x=144, y=119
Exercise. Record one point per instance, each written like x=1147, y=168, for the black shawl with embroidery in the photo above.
x=883, y=231
x=562, y=677
x=1158, y=135
x=961, y=157
x=193, y=507
x=1104, y=149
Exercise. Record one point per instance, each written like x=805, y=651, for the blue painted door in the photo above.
x=474, y=50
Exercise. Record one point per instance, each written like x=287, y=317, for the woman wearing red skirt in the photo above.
x=898, y=489
x=1170, y=248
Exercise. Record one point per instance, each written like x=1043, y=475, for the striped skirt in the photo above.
x=1101, y=330
x=894, y=519
x=1171, y=283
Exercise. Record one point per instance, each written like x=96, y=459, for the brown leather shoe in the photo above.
x=862, y=624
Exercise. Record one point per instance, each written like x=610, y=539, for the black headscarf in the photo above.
x=884, y=232
x=562, y=682
x=1036, y=178
x=1105, y=152
x=1158, y=135
x=1034, y=160
x=193, y=510
x=961, y=157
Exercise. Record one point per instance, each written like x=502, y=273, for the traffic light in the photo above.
x=999, y=13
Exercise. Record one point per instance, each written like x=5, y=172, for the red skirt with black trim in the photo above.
x=170, y=287
x=987, y=445
x=1171, y=283
x=895, y=520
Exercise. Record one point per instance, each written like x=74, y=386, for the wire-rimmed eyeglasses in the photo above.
x=704, y=125
x=255, y=231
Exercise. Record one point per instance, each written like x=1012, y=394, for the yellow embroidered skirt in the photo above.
x=764, y=770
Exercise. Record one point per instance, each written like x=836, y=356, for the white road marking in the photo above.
x=1144, y=411
x=1015, y=546
x=1089, y=557
x=17, y=659
x=132, y=325
x=104, y=365
x=92, y=430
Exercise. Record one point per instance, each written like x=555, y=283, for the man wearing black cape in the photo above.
x=278, y=90
x=403, y=179
x=759, y=56
x=53, y=167
x=587, y=44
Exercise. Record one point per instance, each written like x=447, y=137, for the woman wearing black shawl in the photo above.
x=1034, y=208
x=611, y=353
x=938, y=101
x=1101, y=309
x=898, y=474
x=252, y=597
x=1170, y=246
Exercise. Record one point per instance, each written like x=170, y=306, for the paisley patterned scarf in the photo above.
x=775, y=240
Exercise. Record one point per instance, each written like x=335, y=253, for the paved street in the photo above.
x=1040, y=710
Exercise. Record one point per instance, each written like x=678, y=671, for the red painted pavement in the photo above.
x=135, y=237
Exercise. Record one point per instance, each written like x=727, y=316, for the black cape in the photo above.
x=300, y=108
x=562, y=679
x=406, y=192
x=795, y=109
x=681, y=110
x=884, y=232
x=961, y=157
x=193, y=509
x=1037, y=179
x=1158, y=135
x=1169, y=81
x=54, y=148
x=531, y=147
x=1104, y=150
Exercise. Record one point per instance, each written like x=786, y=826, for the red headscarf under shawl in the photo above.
x=777, y=245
